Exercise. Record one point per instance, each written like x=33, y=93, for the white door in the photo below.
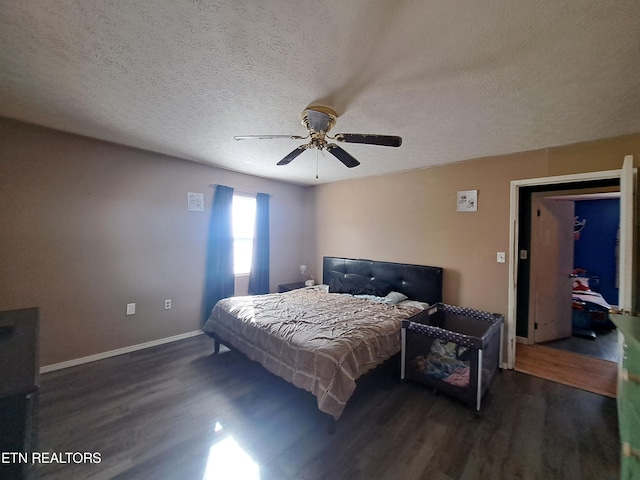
x=627, y=229
x=551, y=267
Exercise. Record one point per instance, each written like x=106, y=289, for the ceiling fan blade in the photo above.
x=286, y=160
x=383, y=140
x=342, y=155
x=267, y=137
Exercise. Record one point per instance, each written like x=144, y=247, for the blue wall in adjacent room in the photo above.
x=595, y=250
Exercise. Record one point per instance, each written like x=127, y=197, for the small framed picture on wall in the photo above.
x=467, y=201
x=195, y=202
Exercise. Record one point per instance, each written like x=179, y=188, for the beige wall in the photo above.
x=89, y=226
x=411, y=217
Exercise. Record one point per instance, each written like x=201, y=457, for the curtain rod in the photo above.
x=213, y=185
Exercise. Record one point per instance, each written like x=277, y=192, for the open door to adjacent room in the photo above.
x=521, y=192
x=551, y=256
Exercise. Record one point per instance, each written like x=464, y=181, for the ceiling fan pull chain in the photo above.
x=317, y=153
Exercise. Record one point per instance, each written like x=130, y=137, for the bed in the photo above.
x=323, y=338
x=590, y=310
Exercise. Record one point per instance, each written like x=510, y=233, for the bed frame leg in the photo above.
x=216, y=346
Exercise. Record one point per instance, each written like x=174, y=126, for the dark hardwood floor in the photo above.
x=161, y=413
x=604, y=345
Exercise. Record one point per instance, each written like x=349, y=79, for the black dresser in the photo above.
x=19, y=369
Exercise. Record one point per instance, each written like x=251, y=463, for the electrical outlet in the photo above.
x=501, y=258
x=167, y=304
x=131, y=308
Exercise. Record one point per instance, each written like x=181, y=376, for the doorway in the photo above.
x=519, y=270
x=574, y=262
x=548, y=348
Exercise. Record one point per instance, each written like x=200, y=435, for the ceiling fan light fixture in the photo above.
x=319, y=120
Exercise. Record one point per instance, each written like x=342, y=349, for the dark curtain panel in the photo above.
x=259, y=276
x=219, y=276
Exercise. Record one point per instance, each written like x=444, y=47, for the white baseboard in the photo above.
x=119, y=351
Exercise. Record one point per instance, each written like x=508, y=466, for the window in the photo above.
x=244, y=220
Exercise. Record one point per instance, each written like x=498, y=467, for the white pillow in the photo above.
x=394, y=298
x=415, y=303
x=391, y=299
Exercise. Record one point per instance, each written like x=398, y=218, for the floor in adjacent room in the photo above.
x=177, y=412
x=604, y=345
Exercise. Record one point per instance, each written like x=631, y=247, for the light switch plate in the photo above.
x=501, y=258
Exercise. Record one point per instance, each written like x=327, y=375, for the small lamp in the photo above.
x=310, y=282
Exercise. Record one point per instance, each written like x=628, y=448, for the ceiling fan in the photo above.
x=318, y=121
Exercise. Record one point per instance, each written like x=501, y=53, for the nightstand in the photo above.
x=287, y=287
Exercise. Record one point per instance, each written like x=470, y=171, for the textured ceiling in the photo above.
x=456, y=79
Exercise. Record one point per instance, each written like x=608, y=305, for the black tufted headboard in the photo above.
x=418, y=282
